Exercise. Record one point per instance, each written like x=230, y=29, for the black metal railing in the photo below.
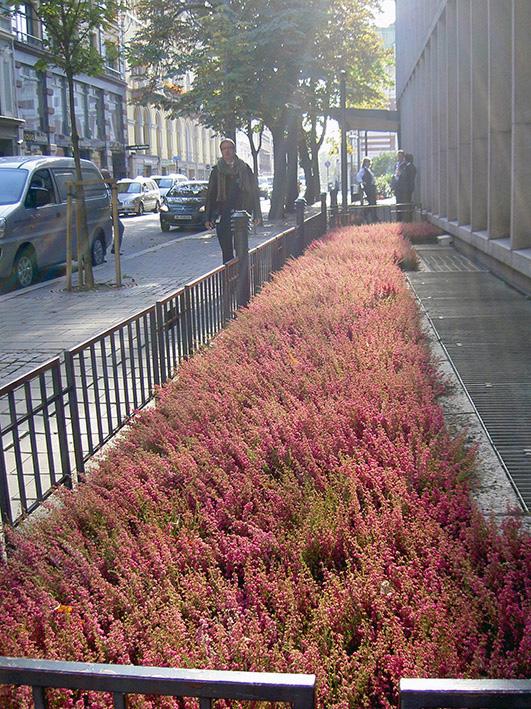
x=121, y=680
x=465, y=693
x=35, y=454
x=356, y=215
x=53, y=419
x=109, y=377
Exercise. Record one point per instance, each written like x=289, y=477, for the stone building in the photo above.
x=175, y=144
x=10, y=125
x=42, y=101
x=464, y=94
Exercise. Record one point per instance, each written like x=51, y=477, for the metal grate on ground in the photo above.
x=485, y=327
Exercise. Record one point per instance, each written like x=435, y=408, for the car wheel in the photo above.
x=98, y=251
x=140, y=210
x=157, y=207
x=24, y=268
x=164, y=226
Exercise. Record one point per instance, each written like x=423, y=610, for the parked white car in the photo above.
x=166, y=182
x=138, y=196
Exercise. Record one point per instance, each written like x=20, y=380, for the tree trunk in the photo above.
x=306, y=164
x=84, y=262
x=278, y=131
x=292, y=187
x=315, y=146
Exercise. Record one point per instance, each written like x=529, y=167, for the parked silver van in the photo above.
x=33, y=214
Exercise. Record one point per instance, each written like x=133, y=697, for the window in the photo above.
x=62, y=178
x=58, y=102
x=116, y=132
x=96, y=113
x=43, y=180
x=81, y=109
x=30, y=99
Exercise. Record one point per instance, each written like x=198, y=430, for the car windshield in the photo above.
x=191, y=190
x=131, y=187
x=165, y=182
x=12, y=181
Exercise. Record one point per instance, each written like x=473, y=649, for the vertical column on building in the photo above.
x=464, y=154
x=427, y=178
x=479, y=113
x=435, y=122
x=451, y=48
x=521, y=126
x=499, y=155
x=443, y=120
x=421, y=137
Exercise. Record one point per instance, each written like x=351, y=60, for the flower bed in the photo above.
x=294, y=503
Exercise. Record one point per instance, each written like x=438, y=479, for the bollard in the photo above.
x=300, y=204
x=324, y=219
x=240, y=231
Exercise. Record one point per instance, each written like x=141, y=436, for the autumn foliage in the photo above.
x=293, y=503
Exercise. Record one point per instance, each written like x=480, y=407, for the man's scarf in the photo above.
x=239, y=170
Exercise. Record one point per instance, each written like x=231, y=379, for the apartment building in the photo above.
x=464, y=94
x=10, y=124
x=41, y=100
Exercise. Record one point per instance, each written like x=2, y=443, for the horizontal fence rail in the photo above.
x=356, y=215
x=465, y=693
x=53, y=419
x=121, y=680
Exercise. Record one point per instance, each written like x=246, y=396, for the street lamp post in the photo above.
x=344, y=168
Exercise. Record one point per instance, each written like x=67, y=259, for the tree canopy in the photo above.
x=273, y=61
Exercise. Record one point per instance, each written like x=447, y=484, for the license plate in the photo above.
x=182, y=217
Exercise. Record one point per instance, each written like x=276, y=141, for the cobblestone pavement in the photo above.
x=39, y=322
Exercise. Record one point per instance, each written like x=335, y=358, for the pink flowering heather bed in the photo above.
x=294, y=503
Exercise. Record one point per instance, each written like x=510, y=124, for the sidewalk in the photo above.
x=484, y=327
x=39, y=322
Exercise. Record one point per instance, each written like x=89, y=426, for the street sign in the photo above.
x=137, y=147
x=176, y=158
x=327, y=163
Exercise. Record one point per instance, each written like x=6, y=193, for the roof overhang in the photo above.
x=367, y=119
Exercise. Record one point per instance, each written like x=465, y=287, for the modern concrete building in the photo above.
x=464, y=95
x=371, y=143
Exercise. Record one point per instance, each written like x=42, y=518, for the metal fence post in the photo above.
x=300, y=204
x=159, y=325
x=324, y=220
x=240, y=230
x=6, y=514
x=74, y=411
x=188, y=323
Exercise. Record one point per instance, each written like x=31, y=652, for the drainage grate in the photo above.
x=444, y=260
x=485, y=327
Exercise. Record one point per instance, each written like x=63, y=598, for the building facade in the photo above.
x=10, y=124
x=464, y=95
x=372, y=143
x=179, y=145
x=41, y=101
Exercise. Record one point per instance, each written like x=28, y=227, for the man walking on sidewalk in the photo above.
x=232, y=187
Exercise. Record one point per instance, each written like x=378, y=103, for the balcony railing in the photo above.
x=121, y=680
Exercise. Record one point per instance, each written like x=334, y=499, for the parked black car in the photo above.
x=184, y=205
